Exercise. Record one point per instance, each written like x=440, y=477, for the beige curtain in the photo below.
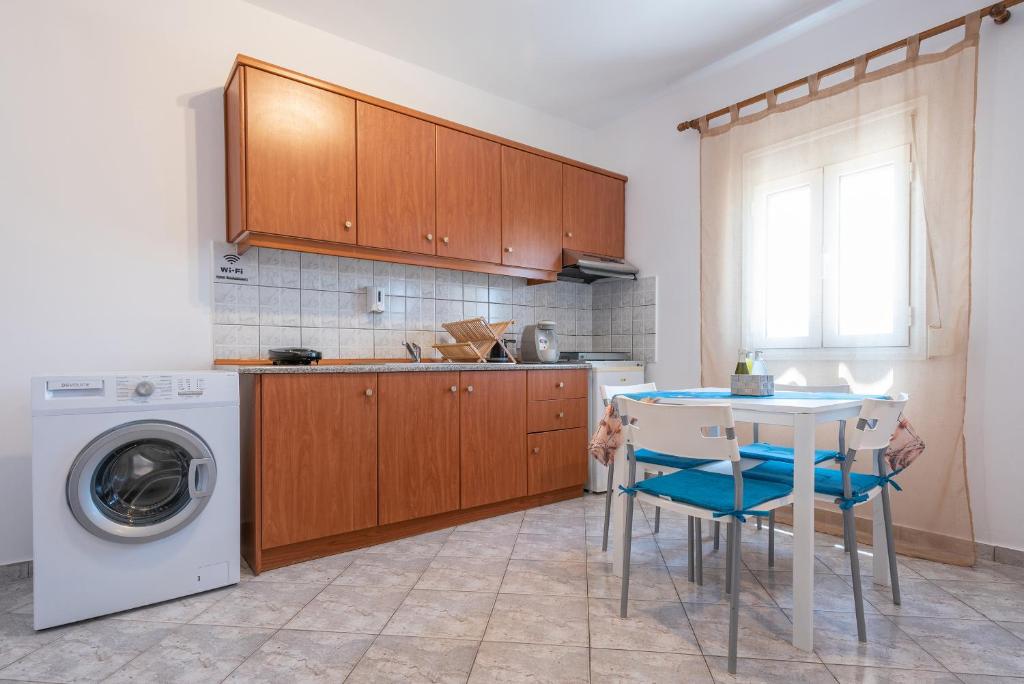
x=926, y=102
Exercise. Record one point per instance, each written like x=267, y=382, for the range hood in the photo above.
x=578, y=267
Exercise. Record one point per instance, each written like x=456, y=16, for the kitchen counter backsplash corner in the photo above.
x=319, y=301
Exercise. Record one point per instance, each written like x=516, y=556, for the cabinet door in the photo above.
x=492, y=410
x=319, y=455
x=593, y=212
x=300, y=159
x=531, y=210
x=556, y=414
x=557, y=460
x=558, y=384
x=468, y=196
x=396, y=180
x=418, y=464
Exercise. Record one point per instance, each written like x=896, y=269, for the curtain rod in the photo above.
x=999, y=12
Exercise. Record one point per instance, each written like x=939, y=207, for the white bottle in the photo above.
x=759, y=367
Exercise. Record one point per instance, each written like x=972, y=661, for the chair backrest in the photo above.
x=609, y=392
x=843, y=388
x=680, y=429
x=876, y=423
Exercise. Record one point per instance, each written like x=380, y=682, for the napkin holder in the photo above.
x=753, y=385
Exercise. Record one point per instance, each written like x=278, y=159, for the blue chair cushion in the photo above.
x=678, y=462
x=773, y=452
x=827, y=481
x=712, y=491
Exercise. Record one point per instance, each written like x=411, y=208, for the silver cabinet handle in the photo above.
x=561, y=385
x=454, y=388
x=561, y=414
x=430, y=237
x=469, y=388
x=369, y=392
x=348, y=224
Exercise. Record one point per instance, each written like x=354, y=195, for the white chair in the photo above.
x=706, y=431
x=875, y=425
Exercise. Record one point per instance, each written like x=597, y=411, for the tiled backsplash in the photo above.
x=319, y=301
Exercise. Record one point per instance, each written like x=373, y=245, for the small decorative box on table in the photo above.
x=753, y=385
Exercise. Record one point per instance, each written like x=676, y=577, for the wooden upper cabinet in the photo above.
x=468, y=196
x=418, y=458
x=492, y=410
x=293, y=163
x=319, y=451
x=593, y=212
x=531, y=210
x=396, y=158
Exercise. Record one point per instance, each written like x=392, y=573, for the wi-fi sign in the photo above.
x=232, y=258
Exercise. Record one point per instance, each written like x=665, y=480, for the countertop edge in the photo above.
x=405, y=368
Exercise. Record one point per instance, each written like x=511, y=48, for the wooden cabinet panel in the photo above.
x=593, y=212
x=557, y=460
x=556, y=414
x=396, y=180
x=531, y=210
x=557, y=384
x=418, y=464
x=319, y=451
x=300, y=159
x=492, y=410
x=468, y=196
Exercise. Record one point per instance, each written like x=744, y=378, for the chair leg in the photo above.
x=718, y=527
x=729, y=541
x=608, y=505
x=758, y=521
x=657, y=514
x=858, y=595
x=894, y=573
x=690, y=563
x=627, y=547
x=698, y=551
x=846, y=538
x=734, y=598
x=771, y=539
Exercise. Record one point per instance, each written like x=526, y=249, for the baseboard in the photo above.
x=20, y=570
x=999, y=554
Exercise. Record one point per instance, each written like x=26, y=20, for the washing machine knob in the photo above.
x=145, y=388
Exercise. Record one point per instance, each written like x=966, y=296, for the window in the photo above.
x=827, y=263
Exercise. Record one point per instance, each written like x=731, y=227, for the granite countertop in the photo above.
x=410, y=367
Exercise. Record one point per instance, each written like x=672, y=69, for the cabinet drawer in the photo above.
x=556, y=414
x=556, y=384
x=556, y=460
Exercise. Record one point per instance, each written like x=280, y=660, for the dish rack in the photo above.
x=474, y=339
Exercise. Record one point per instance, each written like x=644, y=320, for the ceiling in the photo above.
x=586, y=61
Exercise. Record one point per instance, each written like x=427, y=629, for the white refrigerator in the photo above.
x=616, y=373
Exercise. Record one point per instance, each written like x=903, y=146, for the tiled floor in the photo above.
x=529, y=598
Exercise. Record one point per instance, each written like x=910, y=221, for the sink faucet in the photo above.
x=415, y=353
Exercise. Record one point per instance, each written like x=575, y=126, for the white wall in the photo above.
x=663, y=211
x=111, y=183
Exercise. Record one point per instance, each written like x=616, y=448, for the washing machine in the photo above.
x=135, y=490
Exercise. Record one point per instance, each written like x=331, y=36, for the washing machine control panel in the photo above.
x=159, y=388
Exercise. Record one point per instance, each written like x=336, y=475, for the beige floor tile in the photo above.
x=713, y=589
x=595, y=526
x=608, y=666
x=194, y=653
x=522, y=618
x=380, y=570
x=422, y=546
x=303, y=656
x=644, y=550
x=675, y=552
x=478, y=545
x=650, y=626
x=838, y=561
x=550, y=548
x=551, y=578
x=989, y=679
x=502, y=524
x=15, y=594
x=852, y=674
x=983, y=571
x=442, y=614
x=89, y=651
x=180, y=610
x=919, y=598
x=506, y=663
x=756, y=558
x=831, y=592
x=751, y=671
x=409, y=660
x=463, y=574
x=764, y=632
x=1013, y=627
x=646, y=582
x=321, y=571
x=18, y=638
x=835, y=642
x=555, y=525
x=996, y=600
x=350, y=609
x=259, y=604
x=967, y=646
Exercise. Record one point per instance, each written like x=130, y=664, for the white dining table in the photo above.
x=803, y=415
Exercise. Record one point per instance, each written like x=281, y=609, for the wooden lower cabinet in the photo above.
x=492, y=410
x=418, y=455
x=319, y=455
x=556, y=460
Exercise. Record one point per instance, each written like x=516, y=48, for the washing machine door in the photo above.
x=141, y=481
